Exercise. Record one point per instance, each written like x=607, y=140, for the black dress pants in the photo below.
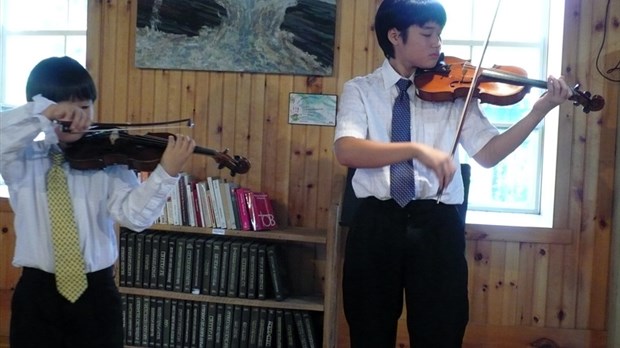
x=415, y=253
x=43, y=318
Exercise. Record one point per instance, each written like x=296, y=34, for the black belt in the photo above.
x=35, y=273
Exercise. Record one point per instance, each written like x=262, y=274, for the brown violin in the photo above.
x=103, y=146
x=501, y=85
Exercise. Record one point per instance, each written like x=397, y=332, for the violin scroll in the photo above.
x=586, y=100
x=236, y=164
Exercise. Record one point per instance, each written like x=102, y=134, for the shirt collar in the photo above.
x=389, y=75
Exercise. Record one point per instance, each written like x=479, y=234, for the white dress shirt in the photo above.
x=365, y=112
x=101, y=198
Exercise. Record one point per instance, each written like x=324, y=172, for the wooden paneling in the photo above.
x=535, y=280
x=525, y=284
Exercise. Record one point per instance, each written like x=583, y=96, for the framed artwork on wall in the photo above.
x=312, y=109
x=268, y=36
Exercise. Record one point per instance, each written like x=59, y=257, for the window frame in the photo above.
x=557, y=228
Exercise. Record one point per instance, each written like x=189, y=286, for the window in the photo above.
x=31, y=30
x=519, y=191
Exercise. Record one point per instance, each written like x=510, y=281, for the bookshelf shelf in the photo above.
x=292, y=234
x=309, y=303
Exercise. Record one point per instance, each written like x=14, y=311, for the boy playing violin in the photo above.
x=59, y=88
x=404, y=236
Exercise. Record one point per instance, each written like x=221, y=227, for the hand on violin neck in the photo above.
x=557, y=93
x=177, y=152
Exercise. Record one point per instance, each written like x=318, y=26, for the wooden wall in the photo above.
x=525, y=284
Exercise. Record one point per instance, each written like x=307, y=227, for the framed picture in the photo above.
x=269, y=36
x=312, y=109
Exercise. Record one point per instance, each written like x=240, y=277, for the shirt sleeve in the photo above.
x=352, y=117
x=19, y=127
x=137, y=205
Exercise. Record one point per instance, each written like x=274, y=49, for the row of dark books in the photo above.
x=164, y=322
x=202, y=264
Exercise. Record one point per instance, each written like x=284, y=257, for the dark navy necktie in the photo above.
x=402, y=183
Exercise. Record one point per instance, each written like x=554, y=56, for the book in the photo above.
x=130, y=321
x=179, y=263
x=261, y=211
x=253, y=332
x=181, y=192
x=289, y=324
x=202, y=193
x=172, y=335
x=253, y=271
x=139, y=260
x=224, y=267
x=196, y=204
x=262, y=328
x=242, y=208
x=216, y=266
x=262, y=272
x=235, y=207
x=159, y=321
x=229, y=214
x=278, y=271
x=235, y=339
x=146, y=319
x=131, y=259
x=188, y=268
x=165, y=340
x=309, y=328
x=188, y=332
x=214, y=189
x=197, y=269
x=122, y=256
x=152, y=320
x=270, y=328
x=162, y=271
x=137, y=324
x=211, y=322
x=146, y=259
x=243, y=269
x=301, y=329
x=155, y=260
x=279, y=329
x=190, y=209
x=233, y=267
x=228, y=325
x=244, y=334
x=206, y=269
x=180, y=329
x=202, y=325
x=219, y=325
x=170, y=258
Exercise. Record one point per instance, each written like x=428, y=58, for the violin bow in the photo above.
x=470, y=94
x=113, y=127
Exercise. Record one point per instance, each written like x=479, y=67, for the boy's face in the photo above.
x=87, y=107
x=422, y=48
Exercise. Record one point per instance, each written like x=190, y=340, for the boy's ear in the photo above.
x=393, y=35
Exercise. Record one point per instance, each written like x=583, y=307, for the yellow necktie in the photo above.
x=70, y=278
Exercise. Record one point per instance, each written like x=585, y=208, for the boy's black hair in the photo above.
x=401, y=14
x=60, y=79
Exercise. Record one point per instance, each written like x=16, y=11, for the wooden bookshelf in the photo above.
x=321, y=298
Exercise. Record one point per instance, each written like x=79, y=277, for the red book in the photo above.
x=242, y=207
x=261, y=211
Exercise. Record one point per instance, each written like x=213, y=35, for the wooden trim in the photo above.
x=519, y=234
x=524, y=336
